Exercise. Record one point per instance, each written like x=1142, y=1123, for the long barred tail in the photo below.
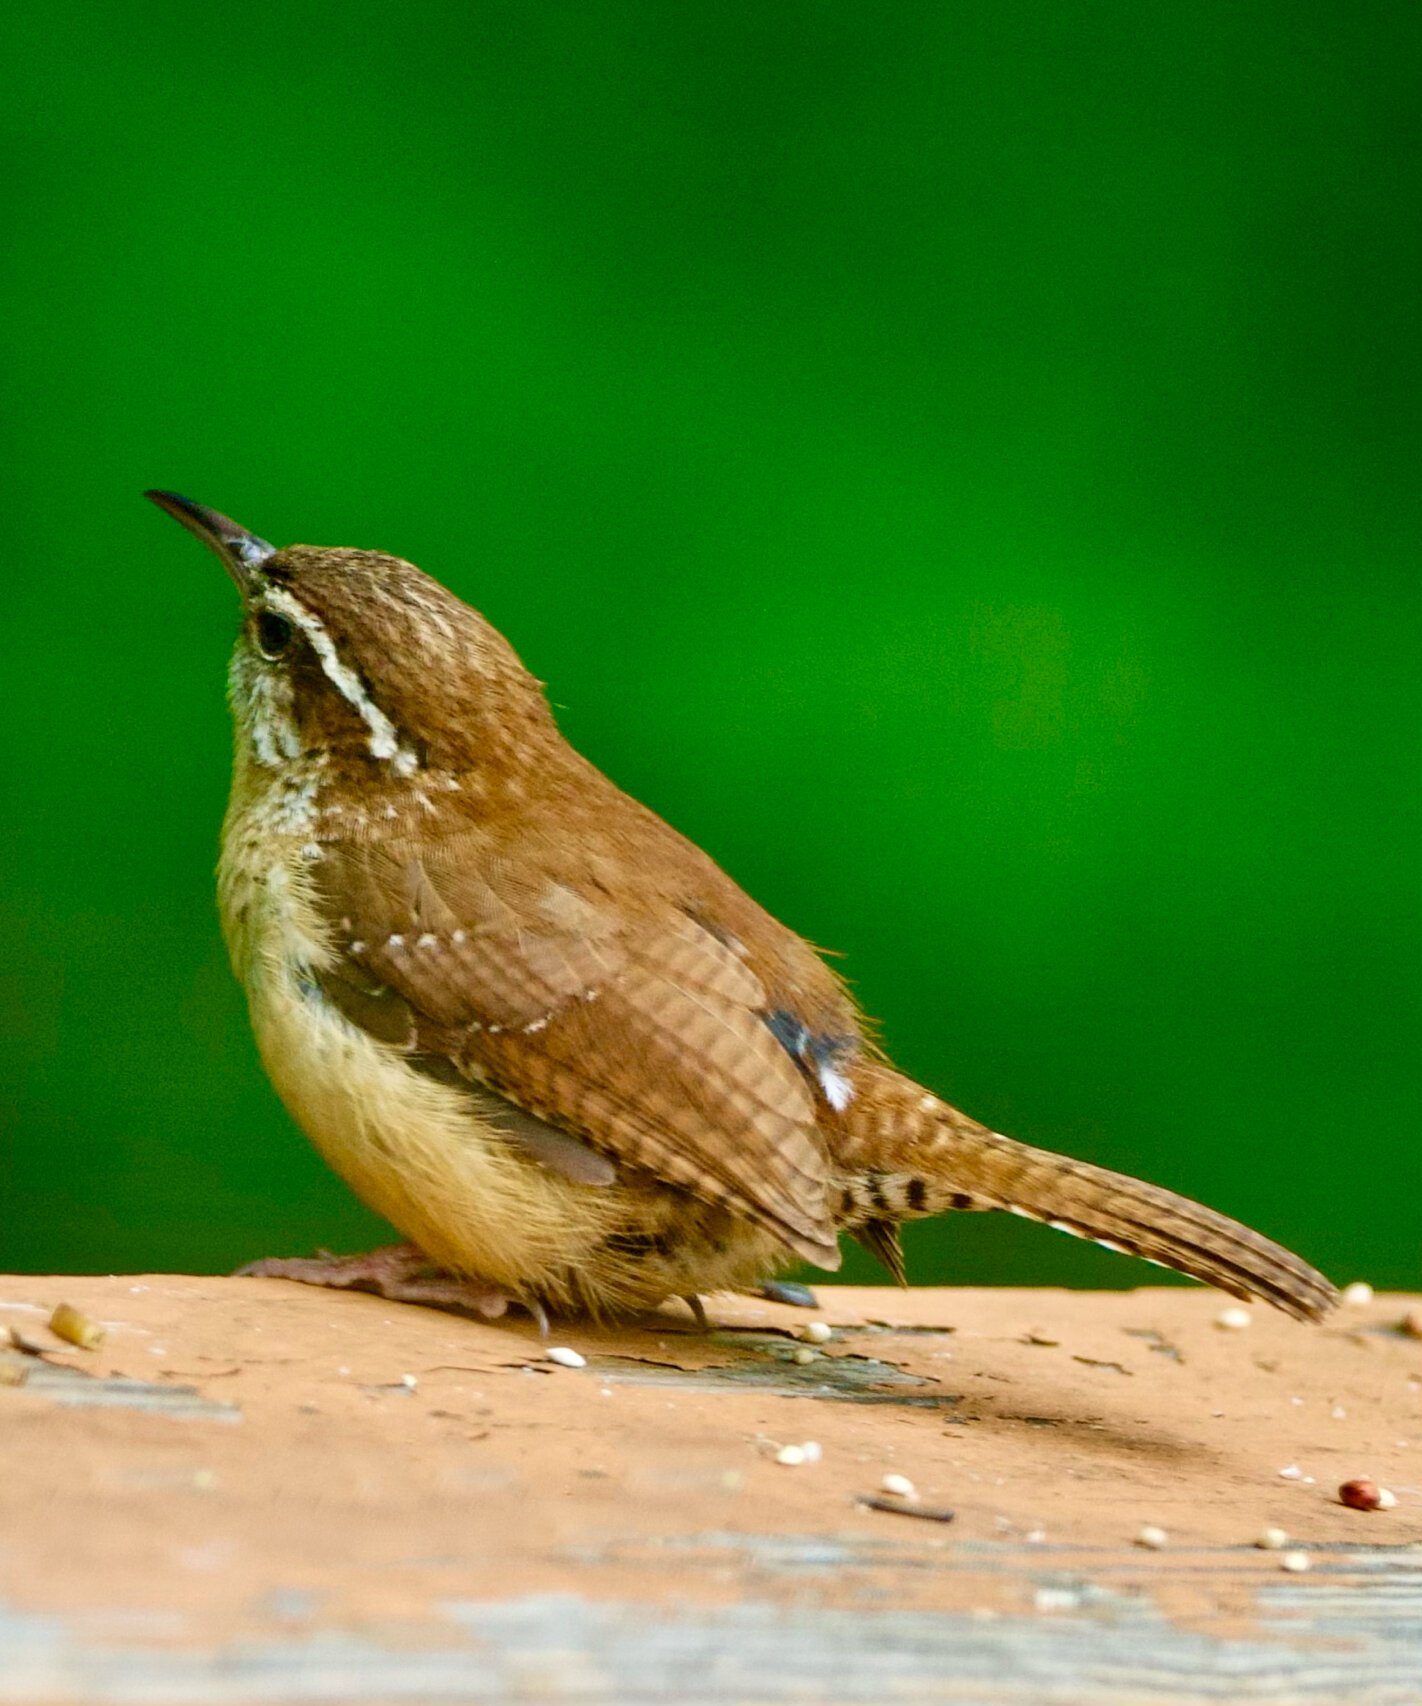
x=904, y=1154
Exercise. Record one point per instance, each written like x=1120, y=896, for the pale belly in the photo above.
x=418, y=1152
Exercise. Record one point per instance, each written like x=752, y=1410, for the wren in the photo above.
x=540, y=1031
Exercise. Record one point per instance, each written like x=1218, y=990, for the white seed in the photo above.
x=819, y=1332
x=1272, y=1540
x=564, y=1357
x=1387, y=1499
x=1292, y=1473
x=1056, y=1599
x=1358, y=1295
x=900, y=1486
x=409, y=1382
x=803, y=1354
x=1153, y=1538
x=1295, y=1562
x=791, y=1455
x=1234, y=1318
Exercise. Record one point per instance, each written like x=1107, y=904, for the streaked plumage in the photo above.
x=539, y=1030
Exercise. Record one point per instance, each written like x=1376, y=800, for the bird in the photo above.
x=541, y=1032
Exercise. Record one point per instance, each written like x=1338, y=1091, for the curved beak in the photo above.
x=240, y=552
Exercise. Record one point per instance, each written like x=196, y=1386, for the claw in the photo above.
x=791, y=1292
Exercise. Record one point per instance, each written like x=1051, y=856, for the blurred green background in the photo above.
x=958, y=462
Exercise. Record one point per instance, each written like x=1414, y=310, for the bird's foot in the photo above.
x=398, y=1272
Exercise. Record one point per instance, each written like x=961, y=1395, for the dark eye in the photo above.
x=274, y=634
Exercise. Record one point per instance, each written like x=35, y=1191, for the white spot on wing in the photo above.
x=839, y=1092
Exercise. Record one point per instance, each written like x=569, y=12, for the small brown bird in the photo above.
x=538, y=1030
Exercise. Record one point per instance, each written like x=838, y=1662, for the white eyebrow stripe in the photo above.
x=383, y=739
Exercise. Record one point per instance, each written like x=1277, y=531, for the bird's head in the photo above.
x=363, y=657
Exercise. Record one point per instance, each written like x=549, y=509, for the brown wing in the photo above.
x=635, y=1028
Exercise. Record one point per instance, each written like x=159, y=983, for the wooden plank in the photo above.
x=253, y=1492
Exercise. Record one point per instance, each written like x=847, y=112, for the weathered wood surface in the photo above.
x=240, y=1497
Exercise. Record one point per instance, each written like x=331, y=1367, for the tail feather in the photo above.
x=927, y=1158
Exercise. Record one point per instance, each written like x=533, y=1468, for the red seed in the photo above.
x=1361, y=1495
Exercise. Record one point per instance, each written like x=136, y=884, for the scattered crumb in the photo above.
x=1234, y=1318
x=564, y=1357
x=1272, y=1540
x=812, y=1451
x=819, y=1332
x=900, y=1486
x=75, y=1329
x=409, y=1382
x=803, y=1355
x=1358, y=1295
x=1295, y=1562
x=1338, y=1413
x=792, y=1456
x=1152, y=1538
x=1292, y=1473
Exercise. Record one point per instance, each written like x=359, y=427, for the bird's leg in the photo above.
x=698, y=1311
x=398, y=1272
